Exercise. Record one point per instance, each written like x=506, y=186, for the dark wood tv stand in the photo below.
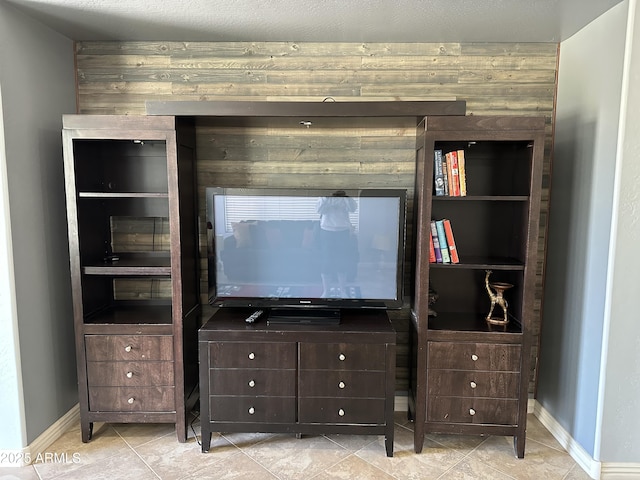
x=302, y=379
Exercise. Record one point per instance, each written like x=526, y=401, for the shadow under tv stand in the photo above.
x=303, y=379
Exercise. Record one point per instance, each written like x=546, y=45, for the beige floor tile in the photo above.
x=353, y=468
x=473, y=469
x=18, y=473
x=539, y=461
x=577, y=473
x=405, y=464
x=104, y=444
x=172, y=460
x=152, y=452
x=353, y=443
x=136, y=434
x=293, y=458
x=239, y=466
x=127, y=465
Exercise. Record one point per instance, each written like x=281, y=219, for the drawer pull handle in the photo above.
x=341, y=385
x=474, y=357
x=128, y=348
x=252, y=356
x=129, y=374
x=131, y=400
x=473, y=384
x=252, y=383
x=342, y=357
x=252, y=410
x=341, y=412
x=472, y=411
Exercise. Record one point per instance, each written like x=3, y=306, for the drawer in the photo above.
x=327, y=383
x=361, y=411
x=277, y=355
x=128, y=347
x=252, y=382
x=473, y=356
x=472, y=410
x=144, y=373
x=132, y=399
x=461, y=383
x=342, y=356
x=252, y=409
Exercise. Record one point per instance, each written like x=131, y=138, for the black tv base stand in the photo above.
x=298, y=379
x=306, y=316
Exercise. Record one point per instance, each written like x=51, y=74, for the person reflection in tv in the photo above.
x=335, y=232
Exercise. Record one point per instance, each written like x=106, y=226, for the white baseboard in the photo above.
x=620, y=471
x=595, y=469
x=29, y=454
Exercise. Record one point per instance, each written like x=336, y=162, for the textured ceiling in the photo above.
x=317, y=20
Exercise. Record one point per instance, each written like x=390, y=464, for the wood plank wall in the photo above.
x=494, y=79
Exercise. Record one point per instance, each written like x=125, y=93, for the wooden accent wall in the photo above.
x=494, y=79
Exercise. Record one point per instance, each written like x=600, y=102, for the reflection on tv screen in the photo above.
x=334, y=246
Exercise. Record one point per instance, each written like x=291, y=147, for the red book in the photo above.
x=453, y=251
x=432, y=251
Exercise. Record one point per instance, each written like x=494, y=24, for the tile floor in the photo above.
x=151, y=451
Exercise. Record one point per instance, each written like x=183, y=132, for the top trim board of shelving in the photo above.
x=312, y=109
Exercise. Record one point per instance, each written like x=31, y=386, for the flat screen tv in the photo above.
x=303, y=254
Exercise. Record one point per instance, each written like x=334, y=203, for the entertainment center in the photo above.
x=128, y=177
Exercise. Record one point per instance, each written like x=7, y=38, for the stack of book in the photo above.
x=449, y=173
x=442, y=246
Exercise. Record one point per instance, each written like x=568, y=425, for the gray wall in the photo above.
x=37, y=83
x=583, y=208
x=620, y=398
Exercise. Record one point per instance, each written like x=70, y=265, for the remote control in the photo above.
x=254, y=316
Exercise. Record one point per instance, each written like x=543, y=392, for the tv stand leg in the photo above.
x=206, y=441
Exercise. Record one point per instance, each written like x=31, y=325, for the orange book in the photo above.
x=447, y=157
x=455, y=173
x=448, y=231
x=462, y=173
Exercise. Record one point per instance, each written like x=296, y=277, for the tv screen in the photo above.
x=305, y=248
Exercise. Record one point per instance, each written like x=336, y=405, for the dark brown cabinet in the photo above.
x=131, y=205
x=469, y=376
x=301, y=379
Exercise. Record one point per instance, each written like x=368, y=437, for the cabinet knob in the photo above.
x=474, y=357
x=252, y=383
x=129, y=374
x=252, y=410
x=252, y=356
x=341, y=385
x=131, y=400
x=472, y=411
x=128, y=348
x=342, y=357
x=473, y=384
x=341, y=412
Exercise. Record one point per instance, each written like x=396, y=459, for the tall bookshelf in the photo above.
x=131, y=208
x=467, y=375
